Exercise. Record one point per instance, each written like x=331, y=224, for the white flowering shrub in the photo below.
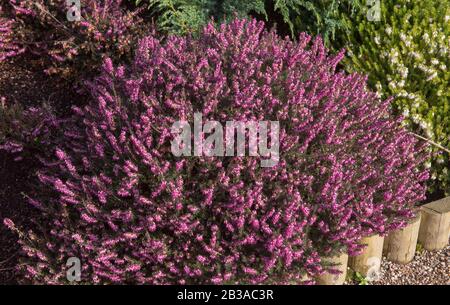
x=407, y=55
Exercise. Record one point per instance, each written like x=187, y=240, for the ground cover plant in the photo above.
x=406, y=55
x=8, y=48
x=118, y=199
x=27, y=132
x=71, y=47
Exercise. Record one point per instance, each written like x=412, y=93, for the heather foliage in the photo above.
x=27, y=132
x=406, y=55
x=134, y=213
x=8, y=48
x=75, y=48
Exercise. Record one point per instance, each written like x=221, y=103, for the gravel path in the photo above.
x=427, y=268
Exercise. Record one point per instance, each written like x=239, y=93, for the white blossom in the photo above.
x=404, y=72
x=432, y=76
x=377, y=40
x=388, y=30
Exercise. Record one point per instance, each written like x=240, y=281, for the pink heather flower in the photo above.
x=133, y=268
x=9, y=223
x=250, y=271
x=201, y=259
x=108, y=66
x=62, y=188
x=88, y=218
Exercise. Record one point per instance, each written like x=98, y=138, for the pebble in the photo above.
x=427, y=268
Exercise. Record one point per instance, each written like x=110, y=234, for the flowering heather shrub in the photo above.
x=30, y=131
x=7, y=46
x=407, y=55
x=74, y=48
x=135, y=213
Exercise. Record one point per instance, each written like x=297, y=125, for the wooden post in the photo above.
x=334, y=279
x=435, y=226
x=369, y=261
x=385, y=244
x=400, y=245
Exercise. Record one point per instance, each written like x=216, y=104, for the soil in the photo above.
x=22, y=80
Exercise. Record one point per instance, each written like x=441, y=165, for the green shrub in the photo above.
x=188, y=16
x=316, y=17
x=407, y=55
x=325, y=18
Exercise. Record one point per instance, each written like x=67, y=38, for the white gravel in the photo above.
x=427, y=268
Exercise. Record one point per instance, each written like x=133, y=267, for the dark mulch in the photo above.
x=23, y=80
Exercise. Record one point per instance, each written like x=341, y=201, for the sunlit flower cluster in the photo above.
x=407, y=56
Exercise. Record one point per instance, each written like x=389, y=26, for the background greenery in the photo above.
x=406, y=55
x=291, y=16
